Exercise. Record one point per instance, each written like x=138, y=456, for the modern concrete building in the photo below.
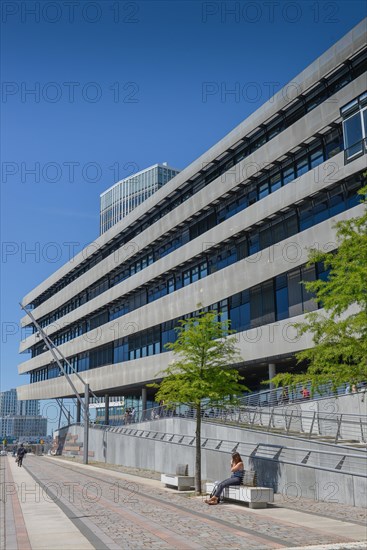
x=20, y=418
x=121, y=199
x=231, y=231
x=31, y=427
x=8, y=402
x=11, y=406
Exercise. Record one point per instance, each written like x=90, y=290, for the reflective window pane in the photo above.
x=352, y=131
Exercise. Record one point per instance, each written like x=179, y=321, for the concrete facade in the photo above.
x=267, y=343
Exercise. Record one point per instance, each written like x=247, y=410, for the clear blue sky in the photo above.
x=119, y=86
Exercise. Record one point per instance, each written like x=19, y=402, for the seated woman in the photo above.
x=237, y=470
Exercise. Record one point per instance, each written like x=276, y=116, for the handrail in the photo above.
x=263, y=399
x=290, y=419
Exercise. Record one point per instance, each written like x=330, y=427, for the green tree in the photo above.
x=339, y=330
x=203, y=352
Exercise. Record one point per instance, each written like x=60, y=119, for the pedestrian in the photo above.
x=20, y=454
x=237, y=470
x=354, y=388
x=305, y=393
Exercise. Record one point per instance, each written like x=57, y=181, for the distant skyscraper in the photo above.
x=20, y=418
x=11, y=406
x=8, y=402
x=28, y=408
x=127, y=194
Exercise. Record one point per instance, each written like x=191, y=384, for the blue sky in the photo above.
x=118, y=86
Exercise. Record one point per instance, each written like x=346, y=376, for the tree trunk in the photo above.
x=198, y=451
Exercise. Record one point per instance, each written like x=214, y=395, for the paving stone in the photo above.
x=128, y=508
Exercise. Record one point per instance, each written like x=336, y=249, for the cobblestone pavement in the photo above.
x=123, y=508
x=327, y=509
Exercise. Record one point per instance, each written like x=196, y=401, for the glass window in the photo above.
x=256, y=306
x=203, y=270
x=195, y=274
x=278, y=231
x=242, y=248
x=252, y=197
x=308, y=275
x=320, y=209
x=265, y=237
x=162, y=289
x=317, y=157
x=186, y=278
x=275, y=130
x=333, y=144
x=302, y=167
x=281, y=297
x=275, y=182
x=254, y=245
x=263, y=190
x=178, y=282
x=352, y=131
x=288, y=174
x=268, y=305
x=295, y=293
x=291, y=224
x=338, y=81
x=240, y=311
x=171, y=285
x=322, y=272
x=316, y=97
x=336, y=201
x=305, y=215
x=222, y=260
x=352, y=196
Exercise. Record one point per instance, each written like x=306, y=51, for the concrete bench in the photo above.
x=257, y=497
x=182, y=483
x=181, y=480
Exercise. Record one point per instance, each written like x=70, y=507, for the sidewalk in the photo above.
x=32, y=522
x=150, y=516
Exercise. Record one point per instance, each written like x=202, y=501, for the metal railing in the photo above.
x=289, y=418
x=262, y=399
x=333, y=427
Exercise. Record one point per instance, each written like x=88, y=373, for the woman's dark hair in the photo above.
x=236, y=457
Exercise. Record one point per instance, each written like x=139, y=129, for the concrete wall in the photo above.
x=293, y=481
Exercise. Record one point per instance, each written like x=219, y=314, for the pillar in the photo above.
x=78, y=411
x=143, y=402
x=106, y=410
x=272, y=394
x=272, y=373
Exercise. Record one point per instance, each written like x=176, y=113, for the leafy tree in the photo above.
x=340, y=329
x=201, y=371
